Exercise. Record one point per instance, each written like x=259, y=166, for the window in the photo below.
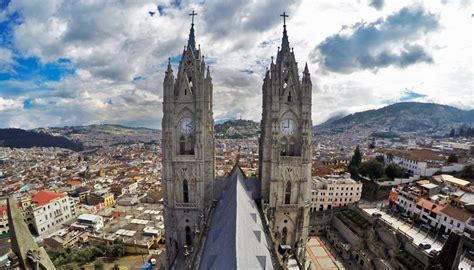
x=185, y=191
x=182, y=145
x=290, y=98
x=189, y=240
x=284, y=233
x=288, y=193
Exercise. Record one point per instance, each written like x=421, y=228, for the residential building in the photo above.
x=334, y=191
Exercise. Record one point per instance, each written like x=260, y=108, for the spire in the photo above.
x=169, y=66
x=306, y=75
x=285, y=45
x=306, y=70
x=208, y=73
x=191, y=39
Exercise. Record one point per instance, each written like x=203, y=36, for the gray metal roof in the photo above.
x=236, y=239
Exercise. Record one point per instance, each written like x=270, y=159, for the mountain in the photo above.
x=237, y=129
x=415, y=117
x=93, y=136
x=19, y=138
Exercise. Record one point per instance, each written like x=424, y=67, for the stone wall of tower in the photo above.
x=188, y=154
x=285, y=152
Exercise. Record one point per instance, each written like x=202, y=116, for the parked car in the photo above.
x=426, y=227
x=433, y=253
x=445, y=236
x=409, y=220
x=424, y=246
x=405, y=215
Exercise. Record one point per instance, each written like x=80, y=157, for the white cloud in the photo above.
x=110, y=44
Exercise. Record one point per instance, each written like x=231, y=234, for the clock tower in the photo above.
x=188, y=151
x=285, y=149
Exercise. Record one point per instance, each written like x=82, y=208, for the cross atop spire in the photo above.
x=192, y=14
x=191, y=39
x=284, y=15
x=285, y=44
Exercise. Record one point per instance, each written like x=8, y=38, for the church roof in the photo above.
x=236, y=238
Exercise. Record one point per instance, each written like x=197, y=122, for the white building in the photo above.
x=334, y=191
x=89, y=222
x=48, y=210
x=424, y=162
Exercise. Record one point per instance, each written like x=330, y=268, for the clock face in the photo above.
x=186, y=125
x=288, y=126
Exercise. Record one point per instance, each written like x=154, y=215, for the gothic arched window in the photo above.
x=185, y=191
x=284, y=233
x=290, y=97
x=288, y=193
x=182, y=145
x=189, y=240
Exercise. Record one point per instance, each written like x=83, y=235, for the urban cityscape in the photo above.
x=174, y=174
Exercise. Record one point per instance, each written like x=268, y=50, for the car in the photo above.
x=433, y=252
x=445, y=236
x=424, y=246
x=426, y=227
x=404, y=214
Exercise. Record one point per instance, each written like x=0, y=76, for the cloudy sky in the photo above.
x=88, y=62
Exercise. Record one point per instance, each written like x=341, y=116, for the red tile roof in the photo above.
x=43, y=197
x=430, y=206
x=3, y=209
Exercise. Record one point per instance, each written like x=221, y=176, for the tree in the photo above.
x=356, y=158
x=372, y=169
x=394, y=171
x=380, y=159
x=468, y=172
x=452, y=133
x=452, y=158
x=118, y=248
x=116, y=267
x=99, y=264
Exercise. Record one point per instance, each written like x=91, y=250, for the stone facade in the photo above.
x=188, y=150
x=285, y=149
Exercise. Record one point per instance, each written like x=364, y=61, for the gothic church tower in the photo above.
x=285, y=149
x=188, y=151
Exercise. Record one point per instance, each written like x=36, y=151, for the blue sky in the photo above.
x=85, y=62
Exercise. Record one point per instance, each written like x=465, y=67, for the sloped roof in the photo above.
x=236, y=238
x=456, y=213
x=43, y=197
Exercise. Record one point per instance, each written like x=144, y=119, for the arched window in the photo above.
x=185, y=91
x=288, y=193
x=283, y=151
x=189, y=240
x=284, y=233
x=185, y=191
x=290, y=97
x=182, y=145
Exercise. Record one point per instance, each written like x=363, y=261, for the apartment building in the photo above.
x=334, y=191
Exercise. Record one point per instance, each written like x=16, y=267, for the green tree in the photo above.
x=118, y=248
x=116, y=267
x=394, y=171
x=380, y=159
x=372, y=169
x=452, y=158
x=356, y=158
x=99, y=264
x=468, y=172
x=452, y=133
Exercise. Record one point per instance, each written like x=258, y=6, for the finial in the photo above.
x=191, y=40
x=285, y=44
x=272, y=57
x=284, y=15
x=169, y=60
x=192, y=14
